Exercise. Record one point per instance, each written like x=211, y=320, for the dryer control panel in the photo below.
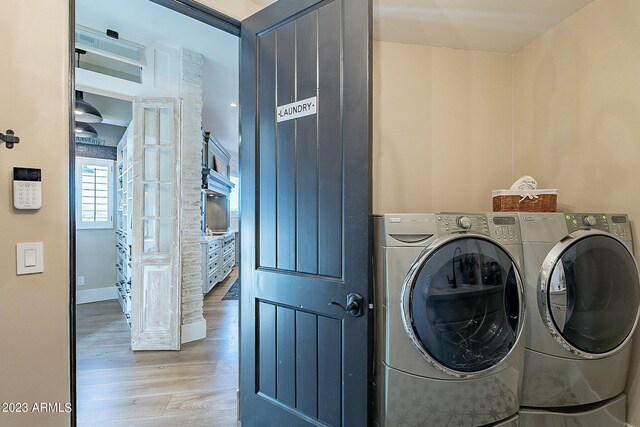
x=504, y=227
x=449, y=223
x=616, y=224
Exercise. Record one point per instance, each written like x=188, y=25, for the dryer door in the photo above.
x=589, y=293
x=462, y=304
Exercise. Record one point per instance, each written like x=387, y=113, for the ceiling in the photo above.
x=172, y=29
x=115, y=112
x=116, y=115
x=488, y=25
x=263, y=2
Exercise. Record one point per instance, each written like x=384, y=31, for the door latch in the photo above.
x=354, y=307
x=10, y=139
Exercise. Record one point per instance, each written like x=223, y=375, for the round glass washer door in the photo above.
x=589, y=293
x=462, y=304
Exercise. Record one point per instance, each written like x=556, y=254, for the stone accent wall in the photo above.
x=191, y=64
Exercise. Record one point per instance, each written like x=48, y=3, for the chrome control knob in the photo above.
x=589, y=220
x=464, y=222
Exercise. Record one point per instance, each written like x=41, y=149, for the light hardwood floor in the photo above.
x=193, y=387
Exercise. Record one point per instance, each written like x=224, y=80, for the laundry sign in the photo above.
x=306, y=107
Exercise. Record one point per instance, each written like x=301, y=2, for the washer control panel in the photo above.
x=504, y=227
x=449, y=223
x=616, y=224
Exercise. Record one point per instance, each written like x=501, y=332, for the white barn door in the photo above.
x=155, y=293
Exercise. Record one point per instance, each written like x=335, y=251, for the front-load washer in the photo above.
x=449, y=312
x=583, y=295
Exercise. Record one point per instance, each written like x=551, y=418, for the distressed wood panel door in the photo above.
x=305, y=214
x=155, y=286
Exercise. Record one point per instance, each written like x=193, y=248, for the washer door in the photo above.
x=462, y=304
x=589, y=293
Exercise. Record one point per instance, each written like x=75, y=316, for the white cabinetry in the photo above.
x=123, y=223
x=228, y=254
x=211, y=250
x=218, y=258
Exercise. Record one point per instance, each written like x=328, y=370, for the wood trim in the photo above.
x=86, y=296
x=194, y=331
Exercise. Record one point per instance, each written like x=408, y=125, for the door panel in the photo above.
x=330, y=373
x=266, y=322
x=306, y=205
x=286, y=355
x=267, y=153
x=307, y=151
x=307, y=363
x=155, y=297
x=291, y=370
x=330, y=151
x=285, y=147
x=302, y=214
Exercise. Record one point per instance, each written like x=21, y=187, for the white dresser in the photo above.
x=218, y=258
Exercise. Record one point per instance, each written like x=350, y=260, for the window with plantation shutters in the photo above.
x=94, y=193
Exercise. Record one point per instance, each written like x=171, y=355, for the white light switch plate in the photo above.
x=29, y=258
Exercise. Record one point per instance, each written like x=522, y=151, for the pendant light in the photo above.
x=85, y=130
x=84, y=111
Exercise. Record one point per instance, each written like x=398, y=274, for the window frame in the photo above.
x=95, y=225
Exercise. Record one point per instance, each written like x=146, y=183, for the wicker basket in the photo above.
x=513, y=201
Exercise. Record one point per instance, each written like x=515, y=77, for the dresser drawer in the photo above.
x=213, y=255
x=214, y=244
x=213, y=266
x=229, y=262
x=226, y=271
x=213, y=279
x=231, y=256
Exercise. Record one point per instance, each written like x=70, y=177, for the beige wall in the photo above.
x=96, y=258
x=577, y=109
x=442, y=128
x=577, y=118
x=34, y=355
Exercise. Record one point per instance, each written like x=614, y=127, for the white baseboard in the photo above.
x=95, y=295
x=194, y=331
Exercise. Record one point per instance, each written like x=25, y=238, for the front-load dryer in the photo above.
x=449, y=309
x=583, y=294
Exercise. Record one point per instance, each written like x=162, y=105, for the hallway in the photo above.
x=193, y=387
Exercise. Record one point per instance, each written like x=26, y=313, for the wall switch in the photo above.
x=80, y=281
x=29, y=258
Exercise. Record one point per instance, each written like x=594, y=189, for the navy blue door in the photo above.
x=305, y=214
